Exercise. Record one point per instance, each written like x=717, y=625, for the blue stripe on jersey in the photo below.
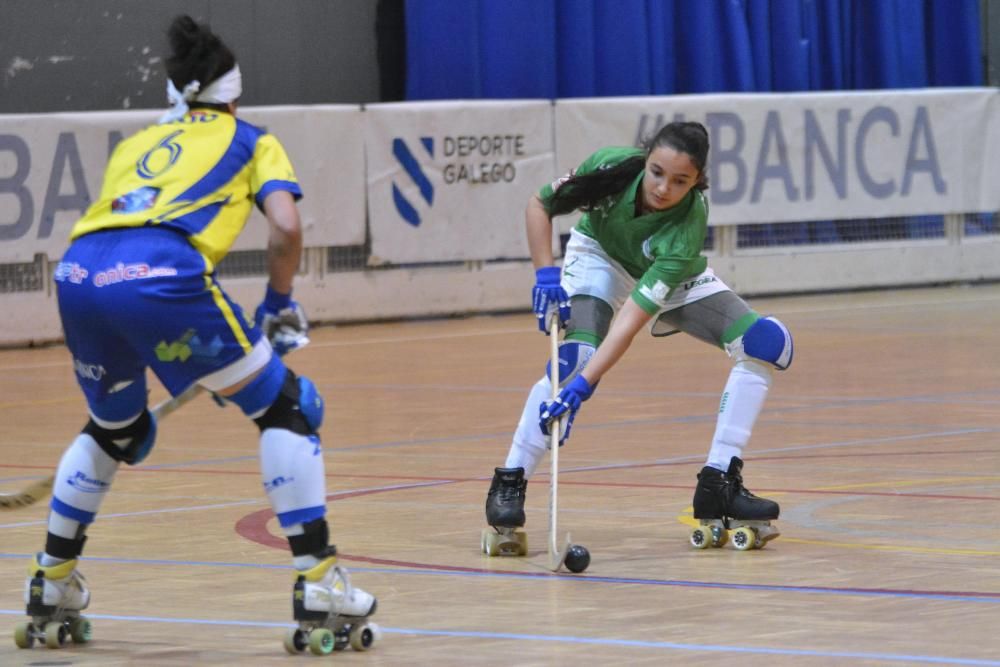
x=275, y=186
x=196, y=221
x=239, y=153
x=70, y=512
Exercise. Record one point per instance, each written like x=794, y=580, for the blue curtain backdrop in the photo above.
x=508, y=49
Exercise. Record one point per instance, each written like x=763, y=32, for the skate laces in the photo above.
x=734, y=481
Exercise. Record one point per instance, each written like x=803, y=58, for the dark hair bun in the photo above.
x=197, y=54
x=188, y=40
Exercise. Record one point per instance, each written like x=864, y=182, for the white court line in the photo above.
x=236, y=503
x=607, y=466
x=530, y=329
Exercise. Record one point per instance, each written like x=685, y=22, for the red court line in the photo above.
x=751, y=458
x=253, y=527
x=567, y=482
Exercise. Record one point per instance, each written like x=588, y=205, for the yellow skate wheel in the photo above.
x=362, y=637
x=55, y=634
x=320, y=641
x=80, y=629
x=295, y=641
x=24, y=635
x=744, y=538
x=522, y=542
x=484, y=542
x=491, y=543
x=701, y=538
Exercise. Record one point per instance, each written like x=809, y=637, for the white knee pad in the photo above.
x=766, y=340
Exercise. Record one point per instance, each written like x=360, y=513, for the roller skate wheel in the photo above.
x=484, y=543
x=362, y=637
x=744, y=538
x=321, y=641
x=513, y=543
x=55, y=634
x=522, y=542
x=700, y=538
x=81, y=630
x=24, y=634
x=295, y=641
x=491, y=546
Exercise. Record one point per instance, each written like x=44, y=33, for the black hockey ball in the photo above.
x=577, y=558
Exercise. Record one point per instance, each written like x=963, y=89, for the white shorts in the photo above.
x=588, y=270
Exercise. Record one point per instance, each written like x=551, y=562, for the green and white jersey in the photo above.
x=661, y=249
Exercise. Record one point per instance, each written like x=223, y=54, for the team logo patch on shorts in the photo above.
x=187, y=347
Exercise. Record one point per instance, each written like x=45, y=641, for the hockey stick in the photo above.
x=557, y=554
x=41, y=489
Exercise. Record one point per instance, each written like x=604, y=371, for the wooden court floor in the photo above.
x=882, y=444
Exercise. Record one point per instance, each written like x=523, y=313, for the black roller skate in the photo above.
x=505, y=513
x=722, y=503
x=55, y=596
x=330, y=612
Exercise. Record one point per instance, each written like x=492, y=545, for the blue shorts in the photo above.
x=141, y=297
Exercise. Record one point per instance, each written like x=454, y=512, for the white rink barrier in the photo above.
x=440, y=188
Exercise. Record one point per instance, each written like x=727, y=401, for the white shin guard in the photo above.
x=292, y=469
x=82, y=480
x=530, y=444
x=742, y=401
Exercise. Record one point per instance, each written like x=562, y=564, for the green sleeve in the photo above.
x=654, y=289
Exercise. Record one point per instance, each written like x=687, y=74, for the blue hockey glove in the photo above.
x=548, y=297
x=566, y=403
x=283, y=321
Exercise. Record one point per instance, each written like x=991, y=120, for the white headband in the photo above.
x=227, y=88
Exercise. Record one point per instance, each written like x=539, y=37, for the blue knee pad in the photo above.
x=130, y=444
x=768, y=340
x=573, y=357
x=298, y=408
x=311, y=403
x=277, y=398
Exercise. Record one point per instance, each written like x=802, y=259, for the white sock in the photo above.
x=530, y=444
x=82, y=480
x=741, y=403
x=50, y=561
x=291, y=466
x=303, y=563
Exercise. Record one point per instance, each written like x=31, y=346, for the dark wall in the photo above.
x=991, y=41
x=70, y=55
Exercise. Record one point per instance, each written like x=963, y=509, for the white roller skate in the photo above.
x=331, y=613
x=54, y=596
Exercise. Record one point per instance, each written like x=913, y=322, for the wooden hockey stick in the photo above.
x=41, y=489
x=557, y=553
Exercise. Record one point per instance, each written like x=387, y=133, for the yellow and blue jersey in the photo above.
x=198, y=176
x=137, y=286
